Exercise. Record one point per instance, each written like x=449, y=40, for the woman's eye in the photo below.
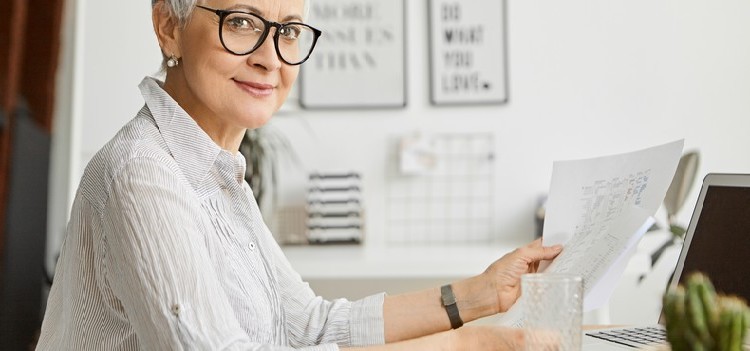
x=239, y=23
x=290, y=32
x=242, y=23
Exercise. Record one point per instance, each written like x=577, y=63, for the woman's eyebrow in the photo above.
x=248, y=8
x=292, y=18
x=257, y=11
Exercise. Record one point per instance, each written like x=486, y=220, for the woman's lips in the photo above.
x=255, y=89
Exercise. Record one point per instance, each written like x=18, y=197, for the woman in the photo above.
x=166, y=248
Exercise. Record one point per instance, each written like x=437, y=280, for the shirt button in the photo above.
x=252, y=246
x=176, y=309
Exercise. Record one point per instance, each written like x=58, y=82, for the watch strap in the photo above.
x=449, y=302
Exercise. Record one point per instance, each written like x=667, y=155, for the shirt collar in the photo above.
x=192, y=149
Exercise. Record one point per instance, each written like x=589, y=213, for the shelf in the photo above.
x=361, y=262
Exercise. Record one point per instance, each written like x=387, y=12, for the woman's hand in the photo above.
x=504, y=275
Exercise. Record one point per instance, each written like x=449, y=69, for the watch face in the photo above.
x=446, y=293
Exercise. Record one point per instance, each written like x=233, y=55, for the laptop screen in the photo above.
x=719, y=244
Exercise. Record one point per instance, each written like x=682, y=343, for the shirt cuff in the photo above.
x=366, y=321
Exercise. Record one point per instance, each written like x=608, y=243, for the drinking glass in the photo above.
x=552, y=308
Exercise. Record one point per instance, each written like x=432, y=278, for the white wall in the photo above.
x=586, y=78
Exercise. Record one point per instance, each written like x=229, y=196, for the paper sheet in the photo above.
x=598, y=209
x=603, y=289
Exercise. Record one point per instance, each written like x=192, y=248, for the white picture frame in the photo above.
x=360, y=59
x=468, y=52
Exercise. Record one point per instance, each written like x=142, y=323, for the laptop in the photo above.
x=716, y=243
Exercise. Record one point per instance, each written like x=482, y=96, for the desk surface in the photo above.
x=342, y=262
x=364, y=261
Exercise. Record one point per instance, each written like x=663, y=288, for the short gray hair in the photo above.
x=181, y=9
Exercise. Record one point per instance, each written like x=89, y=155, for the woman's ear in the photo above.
x=167, y=29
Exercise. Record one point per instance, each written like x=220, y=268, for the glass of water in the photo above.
x=553, y=310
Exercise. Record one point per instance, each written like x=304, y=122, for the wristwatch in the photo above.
x=449, y=302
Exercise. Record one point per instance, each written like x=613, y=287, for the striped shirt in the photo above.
x=166, y=249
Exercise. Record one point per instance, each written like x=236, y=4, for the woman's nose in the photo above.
x=265, y=55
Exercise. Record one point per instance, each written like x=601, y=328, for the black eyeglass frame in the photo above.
x=263, y=36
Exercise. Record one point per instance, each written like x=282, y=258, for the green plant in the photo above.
x=677, y=193
x=263, y=148
x=697, y=319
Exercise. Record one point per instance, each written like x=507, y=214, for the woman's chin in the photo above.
x=254, y=121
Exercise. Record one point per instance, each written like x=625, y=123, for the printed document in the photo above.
x=598, y=209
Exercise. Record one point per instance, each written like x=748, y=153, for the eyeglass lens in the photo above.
x=242, y=32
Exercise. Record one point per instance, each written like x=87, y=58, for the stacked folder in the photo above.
x=334, y=208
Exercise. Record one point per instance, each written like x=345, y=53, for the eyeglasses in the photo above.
x=241, y=33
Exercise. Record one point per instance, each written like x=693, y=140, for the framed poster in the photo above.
x=360, y=59
x=468, y=61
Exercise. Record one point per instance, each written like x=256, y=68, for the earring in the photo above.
x=173, y=61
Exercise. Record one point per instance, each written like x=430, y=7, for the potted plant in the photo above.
x=696, y=318
x=675, y=198
x=263, y=148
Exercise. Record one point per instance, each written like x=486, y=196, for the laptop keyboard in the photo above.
x=633, y=337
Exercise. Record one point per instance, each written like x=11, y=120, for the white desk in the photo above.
x=362, y=262
x=357, y=271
